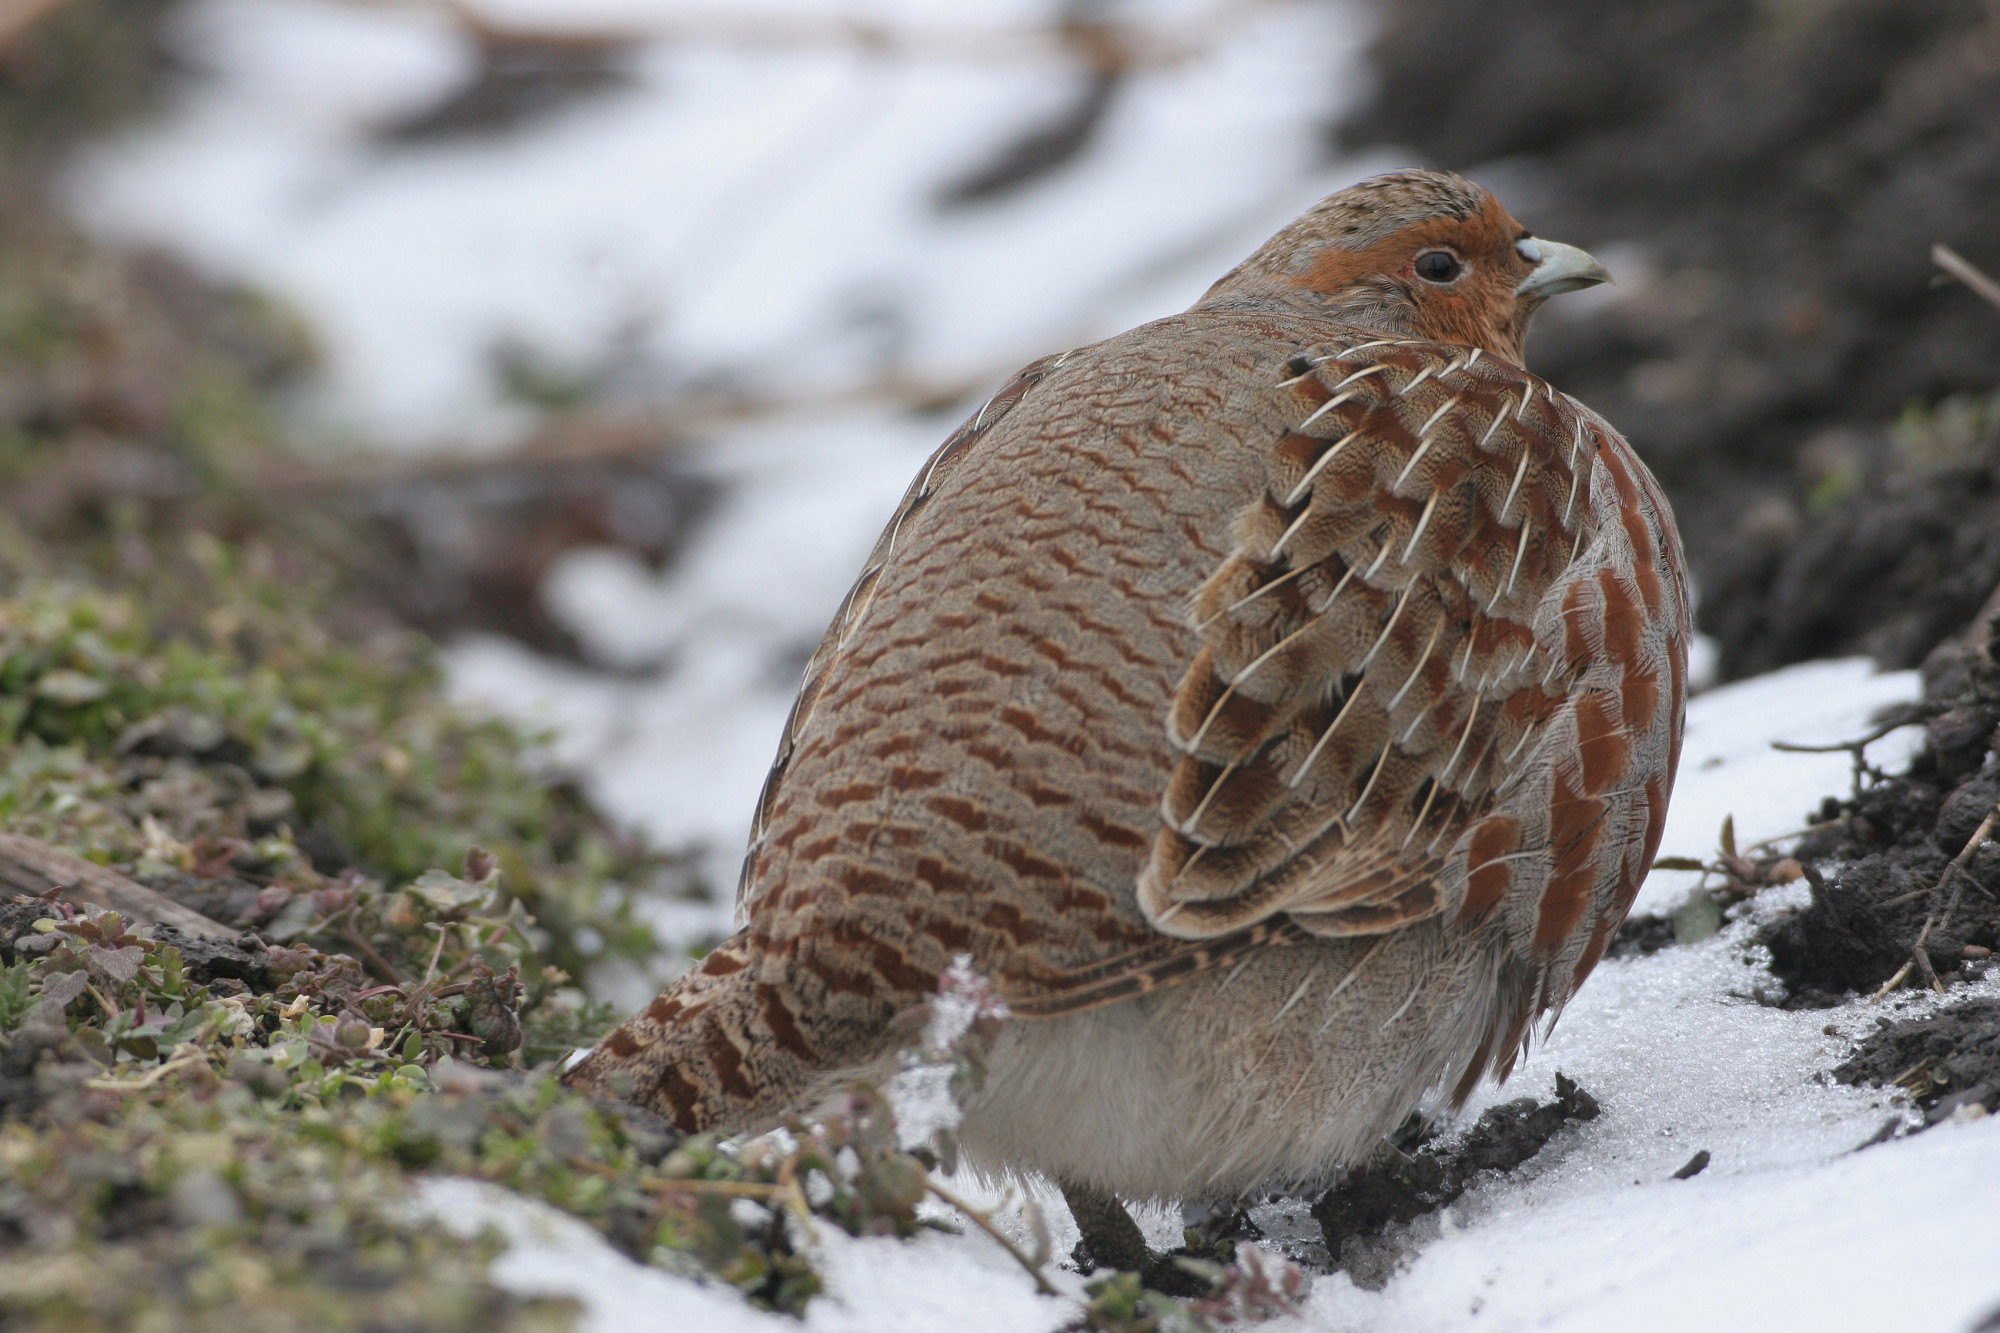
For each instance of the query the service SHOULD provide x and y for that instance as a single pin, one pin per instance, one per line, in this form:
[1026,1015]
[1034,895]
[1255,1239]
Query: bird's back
[979,766]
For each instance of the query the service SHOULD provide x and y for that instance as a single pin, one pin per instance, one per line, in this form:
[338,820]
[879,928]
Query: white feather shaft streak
[1458,752]
[1252,596]
[1318,466]
[1422,815]
[1417,535]
[1514,489]
[1360,374]
[1422,657]
[1324,408]
[1423,442]
[1312,755]
[1381,762]
[1194,742]
[1348,980]
[1520,549]
[1494,425]
[1404,1007]
[1362,347]
[1186,828]
[1388,628]
[1575,485]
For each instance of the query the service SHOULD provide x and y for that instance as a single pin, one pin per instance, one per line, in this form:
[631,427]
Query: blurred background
[595,339]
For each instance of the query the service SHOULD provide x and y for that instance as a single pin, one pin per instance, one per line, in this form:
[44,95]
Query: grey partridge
[1278,701]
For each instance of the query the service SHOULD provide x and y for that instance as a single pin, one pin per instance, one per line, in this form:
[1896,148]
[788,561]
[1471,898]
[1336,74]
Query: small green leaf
[1696,918]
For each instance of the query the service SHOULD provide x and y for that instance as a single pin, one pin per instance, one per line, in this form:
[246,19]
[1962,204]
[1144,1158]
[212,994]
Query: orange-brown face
[1458,277]
[1415,254]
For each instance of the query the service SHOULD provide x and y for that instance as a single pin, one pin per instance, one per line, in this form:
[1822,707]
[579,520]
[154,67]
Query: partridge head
[1278,702]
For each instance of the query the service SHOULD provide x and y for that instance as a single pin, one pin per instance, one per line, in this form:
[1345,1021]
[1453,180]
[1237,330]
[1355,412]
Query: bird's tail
[717,1050]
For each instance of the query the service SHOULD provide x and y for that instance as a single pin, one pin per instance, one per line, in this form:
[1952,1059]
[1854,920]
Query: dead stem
[1856,749]
[1933,918]
[377,964]
[985,1224]
[1952,262]
[179,1062]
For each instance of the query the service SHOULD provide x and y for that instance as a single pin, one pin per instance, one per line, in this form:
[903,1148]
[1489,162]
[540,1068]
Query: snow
[1728,768]
[762,215]
[755,215]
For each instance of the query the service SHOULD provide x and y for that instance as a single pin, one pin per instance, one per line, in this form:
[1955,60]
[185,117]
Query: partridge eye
[1438,266]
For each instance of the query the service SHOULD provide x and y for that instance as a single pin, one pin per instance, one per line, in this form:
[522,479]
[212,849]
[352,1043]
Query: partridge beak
[1559,268]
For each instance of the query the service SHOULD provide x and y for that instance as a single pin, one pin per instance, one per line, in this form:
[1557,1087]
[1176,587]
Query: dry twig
[33,867]
[1952,262]
[1933,919]
[1856,749]
[985,1224]
[1154,46]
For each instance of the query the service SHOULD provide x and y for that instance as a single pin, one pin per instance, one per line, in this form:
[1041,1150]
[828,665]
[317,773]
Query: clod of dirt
[210,961]
[18,916]
[1437,1172]
[1695,1166]
[1878,864]
[1947,1061]
[1640,936]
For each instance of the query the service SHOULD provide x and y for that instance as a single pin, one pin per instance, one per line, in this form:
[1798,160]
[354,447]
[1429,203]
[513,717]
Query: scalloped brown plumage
[1278,701]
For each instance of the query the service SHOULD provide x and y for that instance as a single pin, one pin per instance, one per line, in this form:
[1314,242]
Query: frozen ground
[743,207]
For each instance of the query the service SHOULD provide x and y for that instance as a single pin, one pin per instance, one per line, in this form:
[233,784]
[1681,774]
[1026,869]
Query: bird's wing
[855,606]
[1435,673]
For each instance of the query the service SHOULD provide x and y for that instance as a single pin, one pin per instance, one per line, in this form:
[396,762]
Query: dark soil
[1639,936]
[1767,182]
[1944,1062]
[1877,866]
[222,965]
[1441,1168]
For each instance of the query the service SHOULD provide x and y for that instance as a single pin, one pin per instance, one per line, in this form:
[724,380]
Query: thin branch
[110,1009]
[1875,733]
[1933,918]
[1952,262]
[985,1224]
[1856,750]
[376,962]
[1131,45]
[735,1189]
[187,1061]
